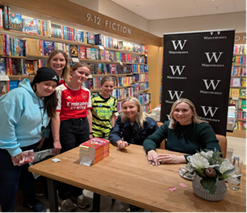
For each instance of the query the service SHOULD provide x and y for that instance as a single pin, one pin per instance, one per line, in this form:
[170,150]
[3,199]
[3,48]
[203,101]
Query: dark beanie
[45,74]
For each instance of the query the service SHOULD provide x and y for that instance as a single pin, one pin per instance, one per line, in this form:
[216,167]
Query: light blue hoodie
[21,118]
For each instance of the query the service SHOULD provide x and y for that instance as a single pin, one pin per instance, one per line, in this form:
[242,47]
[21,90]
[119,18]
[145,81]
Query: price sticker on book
[101,47]
[75,59]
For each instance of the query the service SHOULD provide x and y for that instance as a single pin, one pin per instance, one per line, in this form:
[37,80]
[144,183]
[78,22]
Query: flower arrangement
[211,167]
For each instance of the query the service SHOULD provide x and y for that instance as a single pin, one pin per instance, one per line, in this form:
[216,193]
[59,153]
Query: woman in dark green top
[185,132]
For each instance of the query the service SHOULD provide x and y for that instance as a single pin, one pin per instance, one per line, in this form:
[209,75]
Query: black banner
[197,66]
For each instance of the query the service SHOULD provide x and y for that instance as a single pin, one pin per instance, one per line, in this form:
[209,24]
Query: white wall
[115,11]
[222,21]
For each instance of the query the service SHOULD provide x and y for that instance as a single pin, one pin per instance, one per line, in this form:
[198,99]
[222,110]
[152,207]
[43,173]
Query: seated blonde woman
[185,133]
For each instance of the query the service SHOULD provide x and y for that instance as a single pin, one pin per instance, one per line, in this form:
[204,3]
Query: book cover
[120,45]
[29,66]
[236,82]
[80,36]
[74,51]
[13,84]
[107,55]
[48,47]
[93,54]
[30,26]
[98,39]
[15,21]
[242,93]
[115,43]
[243,104]
[5,16]
[235,93]
[243,82]
[90,38]
[88,53]
[2,66]
[111,56]
[82,52]
[3,87]
[1,18]
[89,83]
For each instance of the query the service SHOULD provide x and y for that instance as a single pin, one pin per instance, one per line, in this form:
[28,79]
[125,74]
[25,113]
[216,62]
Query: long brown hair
[66,69]
[195,119]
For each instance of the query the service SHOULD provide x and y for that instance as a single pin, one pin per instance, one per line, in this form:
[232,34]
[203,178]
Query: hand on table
[57,148]
[167,158]
[122,144]
[153,158]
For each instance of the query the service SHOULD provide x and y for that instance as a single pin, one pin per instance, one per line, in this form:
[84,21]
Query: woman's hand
[41,142]
[17,158]
[153,158]
[57,148]
[166,158]
[90,136]
[122,144]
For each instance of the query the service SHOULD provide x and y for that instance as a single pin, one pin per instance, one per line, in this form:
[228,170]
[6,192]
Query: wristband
[90,133]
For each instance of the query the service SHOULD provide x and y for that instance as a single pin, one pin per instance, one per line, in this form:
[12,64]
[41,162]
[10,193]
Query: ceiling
[165,9]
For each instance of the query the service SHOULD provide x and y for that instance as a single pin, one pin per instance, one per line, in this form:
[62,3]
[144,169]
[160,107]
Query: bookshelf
[237,95]
[34,52]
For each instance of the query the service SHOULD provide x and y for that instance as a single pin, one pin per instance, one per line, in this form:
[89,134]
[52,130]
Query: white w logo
[178,44]
[209,110]
[213,56]
[177,70]
[175,94]
[211,83]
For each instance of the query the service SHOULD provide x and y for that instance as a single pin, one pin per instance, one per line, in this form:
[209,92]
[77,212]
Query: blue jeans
[11,177]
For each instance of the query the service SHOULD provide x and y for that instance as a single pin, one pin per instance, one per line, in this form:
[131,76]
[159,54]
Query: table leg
[96,202]
[52,195]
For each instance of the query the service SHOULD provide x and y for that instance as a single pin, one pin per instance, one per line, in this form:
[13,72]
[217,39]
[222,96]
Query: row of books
[242,115]
[17,22]
[144,98]
[237,93]
[140,86]
[12,46]
[94,83]
[238,71]
[123,93]
[6,86]
[238,82]
[239,60]
[140,77]
[240,126]
[239,49]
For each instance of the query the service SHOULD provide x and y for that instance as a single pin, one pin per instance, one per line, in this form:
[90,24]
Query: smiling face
[45,88]
[80,75]
[183,114]
[57,63]
[130,110]
[107,88]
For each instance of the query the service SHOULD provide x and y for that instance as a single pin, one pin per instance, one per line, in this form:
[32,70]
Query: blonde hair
[107,78]
[140,116]
[65,73]
[195,119]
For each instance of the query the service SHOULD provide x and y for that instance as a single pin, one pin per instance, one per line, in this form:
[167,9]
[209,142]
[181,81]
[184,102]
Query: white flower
[198,162]
[225,166]
[208,154]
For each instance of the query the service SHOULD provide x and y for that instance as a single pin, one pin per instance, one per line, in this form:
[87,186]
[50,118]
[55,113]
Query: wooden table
[127,176]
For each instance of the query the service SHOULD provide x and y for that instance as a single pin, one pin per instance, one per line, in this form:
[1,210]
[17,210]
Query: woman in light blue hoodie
[24,112]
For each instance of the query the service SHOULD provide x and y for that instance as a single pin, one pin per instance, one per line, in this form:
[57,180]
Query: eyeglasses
[42,129]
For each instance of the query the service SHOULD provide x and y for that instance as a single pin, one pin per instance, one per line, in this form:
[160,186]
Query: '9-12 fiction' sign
[109,24]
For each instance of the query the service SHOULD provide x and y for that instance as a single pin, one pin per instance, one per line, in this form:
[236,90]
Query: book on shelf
[231,102]
[13,84]
[98,39]
[93,54]
[234,93]
[235,82]
[82,52]
[2,66]
[31,66]
[32,46]
[15,21]
[90,38]
[115,43]
[120,45]
[73,51]
[30,26]
[48,47]
[81,36]
[88,53]
[5,16]
[242,104]
[3,87]
[243,82]
[242,93]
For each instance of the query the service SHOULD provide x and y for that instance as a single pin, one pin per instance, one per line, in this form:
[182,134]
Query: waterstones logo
[217,36]
[176,69]
[178,44]
[213,57]
[213,84]
[209,110]
[174,93]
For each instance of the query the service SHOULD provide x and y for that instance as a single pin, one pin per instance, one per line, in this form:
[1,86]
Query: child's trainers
[67,205]
[36,207]
[81,201]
